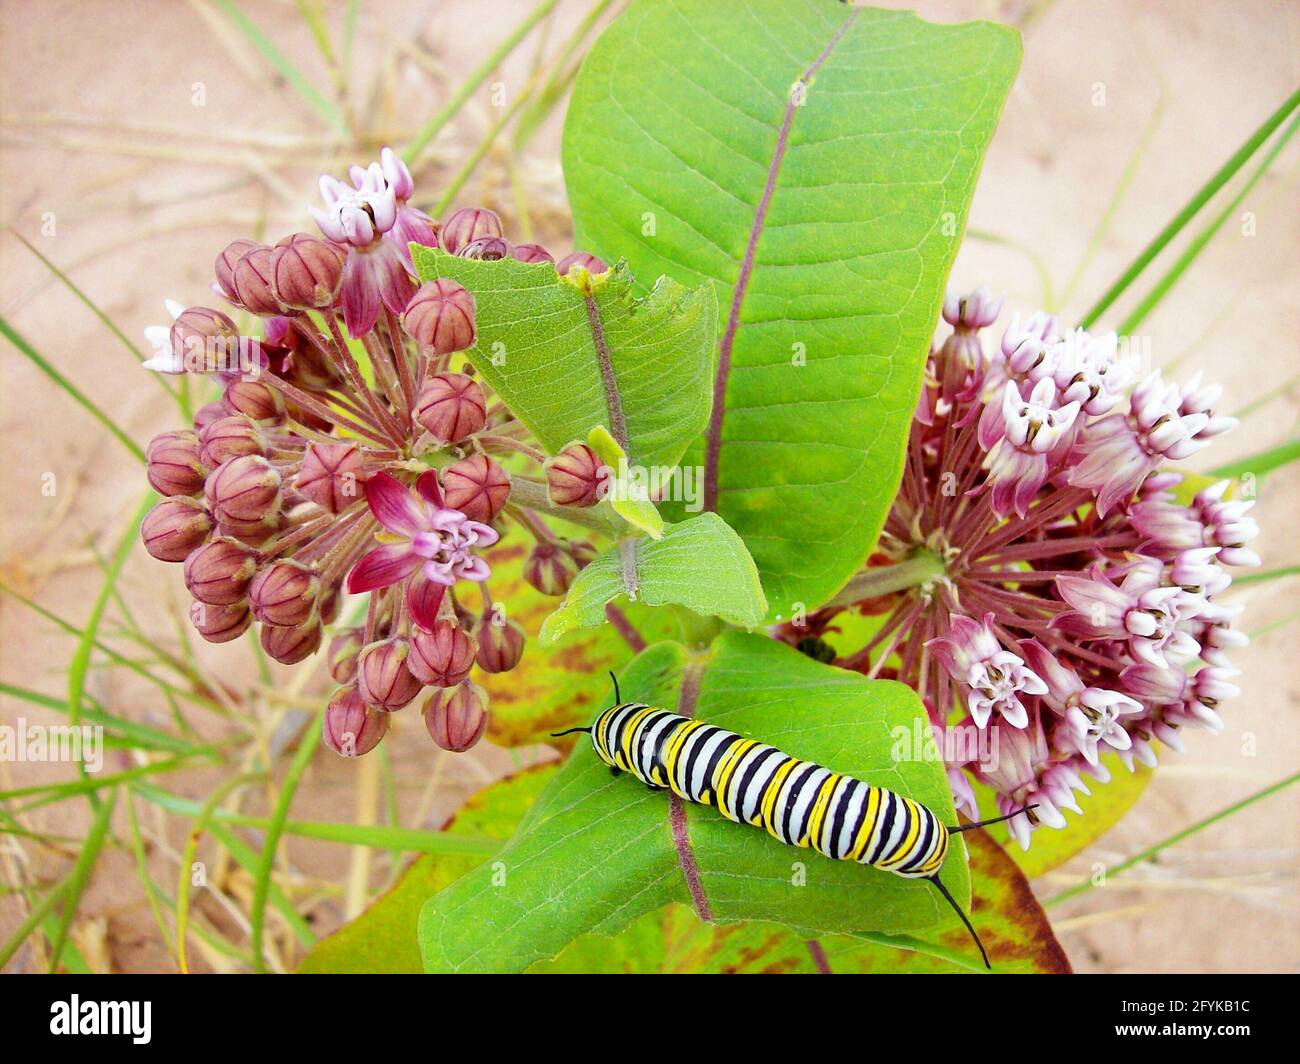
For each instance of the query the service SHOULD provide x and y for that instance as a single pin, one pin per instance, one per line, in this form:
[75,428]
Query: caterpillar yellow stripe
[798,802]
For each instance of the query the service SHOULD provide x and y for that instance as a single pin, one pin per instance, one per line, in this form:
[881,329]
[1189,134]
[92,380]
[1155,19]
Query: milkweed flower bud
[383,678]
[256,401]
[229,437]
[331,475]
[350,727]
[209,413]
[441,315]
[486,248]
[224,267]
[175,467]
[582,552]
[220,624]
[219,572]
[532,253]
[175,528]
[450,407]
[343,651]
[550,569]
[441,656]
[577,477]
[476,486]
[585,259]
[254,281]
[244,489]
[289,646]
[456,718]
[205,339]
[307,273]
[284,594]
[467,225]
[500,646]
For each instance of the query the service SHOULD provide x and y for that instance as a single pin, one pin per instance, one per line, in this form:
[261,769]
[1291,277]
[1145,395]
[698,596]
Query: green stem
[1220,178]
[1151,851]
[920,568]
[532,496]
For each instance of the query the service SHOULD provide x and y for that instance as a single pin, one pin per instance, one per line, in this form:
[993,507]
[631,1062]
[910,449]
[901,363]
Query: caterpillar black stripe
[799,802]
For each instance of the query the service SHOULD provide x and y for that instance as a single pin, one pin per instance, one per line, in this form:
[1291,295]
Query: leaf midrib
[713,445]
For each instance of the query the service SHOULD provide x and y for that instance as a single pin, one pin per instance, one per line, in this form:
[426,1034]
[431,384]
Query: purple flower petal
[382,567]
[423,599]
[394,506]
[360,294]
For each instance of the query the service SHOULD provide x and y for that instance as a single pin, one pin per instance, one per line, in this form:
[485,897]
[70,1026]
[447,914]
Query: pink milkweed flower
[1091,714]
[1024,773]
[360,215]
[1152,618]
[1226,524]
[426,542]
[962,354]
[1090,371]
[996,677]
[1029,434]
[1122,449]
[166,359]
[376,270]
[412,226]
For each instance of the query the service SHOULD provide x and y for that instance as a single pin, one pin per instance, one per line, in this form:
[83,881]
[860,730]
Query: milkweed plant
[748,446]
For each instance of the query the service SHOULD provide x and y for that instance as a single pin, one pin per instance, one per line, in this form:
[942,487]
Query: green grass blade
[1048,296]
[79,877]
[248,859]
[1263,576]
[152,893]
[185,871]
[1261,463]
[34,919]
[1203,196]
[140,736]
[59,792]
[41,363]
[563,73]
[1176,838]
[90,304]
[284,68]
[480,74]
[120,659]
[1107,219]
[307,746]
[80,663]
[380,836]
[1172,275]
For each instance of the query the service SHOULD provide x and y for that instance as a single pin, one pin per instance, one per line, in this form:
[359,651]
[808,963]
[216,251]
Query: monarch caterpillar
[799,802]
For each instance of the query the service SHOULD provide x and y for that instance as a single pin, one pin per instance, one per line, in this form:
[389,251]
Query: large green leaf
[813,162]
[382,939]
[596,851]
[565,360]
[700,564]
[554,687]
[1014,928]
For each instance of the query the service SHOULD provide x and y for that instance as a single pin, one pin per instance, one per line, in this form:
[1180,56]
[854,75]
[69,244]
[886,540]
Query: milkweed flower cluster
[352,452]
[1074,604]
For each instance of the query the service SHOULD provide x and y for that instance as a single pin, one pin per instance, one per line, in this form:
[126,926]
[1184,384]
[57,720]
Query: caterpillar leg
[964,918]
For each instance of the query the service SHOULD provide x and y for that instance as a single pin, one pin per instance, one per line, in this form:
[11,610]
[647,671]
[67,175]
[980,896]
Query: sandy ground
[115,171]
